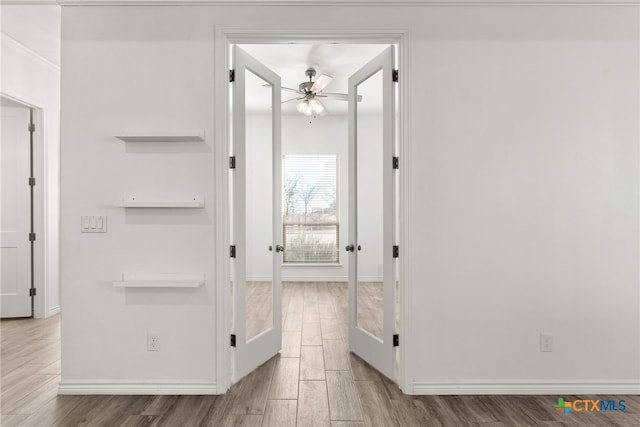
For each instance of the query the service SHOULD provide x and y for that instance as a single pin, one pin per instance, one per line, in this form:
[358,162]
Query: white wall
[524,192]
[32,79]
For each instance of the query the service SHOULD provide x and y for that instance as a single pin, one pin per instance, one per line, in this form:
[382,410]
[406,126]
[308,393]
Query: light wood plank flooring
[314,382]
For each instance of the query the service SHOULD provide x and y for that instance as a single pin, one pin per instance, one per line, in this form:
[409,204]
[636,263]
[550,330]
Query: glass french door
[372,213]
[256,214]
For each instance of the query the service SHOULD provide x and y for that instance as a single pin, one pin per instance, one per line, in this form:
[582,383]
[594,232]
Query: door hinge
[395,76]
[32,292]
[232,251]
[31,127]
[232,162]
[32,237]
[232,75]
[233,340]
[396,251]
[396,162]
[32,181]
[396,340]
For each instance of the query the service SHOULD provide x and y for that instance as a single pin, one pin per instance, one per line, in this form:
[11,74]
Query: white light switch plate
[93,224]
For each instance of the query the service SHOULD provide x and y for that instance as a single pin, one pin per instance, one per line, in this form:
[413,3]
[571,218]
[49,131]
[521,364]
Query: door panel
[259,206]
[370,206]
[256,214]
[15,214]
[371,213]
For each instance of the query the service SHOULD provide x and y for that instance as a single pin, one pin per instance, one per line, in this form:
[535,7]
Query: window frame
[335,223]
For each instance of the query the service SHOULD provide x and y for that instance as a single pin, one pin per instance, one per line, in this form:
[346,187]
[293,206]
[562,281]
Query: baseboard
[53,311]
[145,388]
[552,388]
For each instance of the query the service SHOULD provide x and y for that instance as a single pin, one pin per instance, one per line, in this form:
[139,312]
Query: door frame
[224,38]
[40,252]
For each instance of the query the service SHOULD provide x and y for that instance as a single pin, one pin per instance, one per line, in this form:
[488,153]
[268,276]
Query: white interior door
[15,214]
[256,213]
[371,213]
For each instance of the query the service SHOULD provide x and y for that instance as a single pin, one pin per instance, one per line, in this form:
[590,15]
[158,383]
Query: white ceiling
[34,26]
[290,61]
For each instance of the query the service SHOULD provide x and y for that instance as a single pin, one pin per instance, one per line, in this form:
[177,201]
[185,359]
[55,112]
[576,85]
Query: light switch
[93,224]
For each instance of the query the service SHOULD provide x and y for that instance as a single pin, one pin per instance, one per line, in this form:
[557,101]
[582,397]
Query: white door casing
[225,38]
[15,214]
[254,348]
[371,162]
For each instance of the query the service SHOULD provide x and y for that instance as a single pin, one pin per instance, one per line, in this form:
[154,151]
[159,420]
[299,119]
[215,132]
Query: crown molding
[332,3]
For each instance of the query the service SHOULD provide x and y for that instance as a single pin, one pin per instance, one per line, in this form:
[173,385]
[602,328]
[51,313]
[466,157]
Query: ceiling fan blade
[292,99]
[290,89]
[338,96]
[321,82]
[284,88]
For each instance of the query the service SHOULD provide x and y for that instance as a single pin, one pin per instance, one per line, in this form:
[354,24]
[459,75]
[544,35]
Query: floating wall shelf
[160,280]
[138,202]
[184,136]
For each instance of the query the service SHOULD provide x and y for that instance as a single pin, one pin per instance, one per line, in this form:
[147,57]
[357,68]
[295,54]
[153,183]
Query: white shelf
[160,280]
[138,202]
[184,136]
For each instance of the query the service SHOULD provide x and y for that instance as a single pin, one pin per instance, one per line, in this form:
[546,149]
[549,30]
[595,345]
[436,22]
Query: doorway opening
[314,223]
[17,225]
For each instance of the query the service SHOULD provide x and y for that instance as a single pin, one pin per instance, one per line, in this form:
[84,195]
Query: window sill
[308,265]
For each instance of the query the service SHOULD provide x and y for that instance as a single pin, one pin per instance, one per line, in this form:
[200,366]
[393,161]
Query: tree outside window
[310,223]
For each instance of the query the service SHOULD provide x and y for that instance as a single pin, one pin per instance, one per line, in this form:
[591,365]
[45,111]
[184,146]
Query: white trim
[133,387]
[525,387]
[222,220]
[405,242]
[53,311]
[224,36]
[335,3]
[30,52]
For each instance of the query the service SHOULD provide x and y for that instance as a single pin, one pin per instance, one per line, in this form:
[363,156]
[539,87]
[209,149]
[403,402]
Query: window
[310,223]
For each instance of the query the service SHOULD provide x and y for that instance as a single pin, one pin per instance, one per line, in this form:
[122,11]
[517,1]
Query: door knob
[279,248]
[349,248]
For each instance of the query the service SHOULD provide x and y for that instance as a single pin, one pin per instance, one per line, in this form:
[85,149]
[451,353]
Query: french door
[256,214]
[372,271]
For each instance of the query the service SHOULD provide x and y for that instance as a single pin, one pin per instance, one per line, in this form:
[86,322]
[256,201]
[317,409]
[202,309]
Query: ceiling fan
[310,91]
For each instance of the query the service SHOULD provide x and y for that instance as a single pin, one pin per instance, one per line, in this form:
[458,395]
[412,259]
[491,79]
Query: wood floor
[315,381]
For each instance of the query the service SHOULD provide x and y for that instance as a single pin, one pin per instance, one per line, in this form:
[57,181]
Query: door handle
[349,248]
[279,248]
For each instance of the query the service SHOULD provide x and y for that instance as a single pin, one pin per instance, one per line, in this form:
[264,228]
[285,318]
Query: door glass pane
[369,163]
[259,206]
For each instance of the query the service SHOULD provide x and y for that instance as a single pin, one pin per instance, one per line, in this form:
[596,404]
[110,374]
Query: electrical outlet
[546,342]
[153,341]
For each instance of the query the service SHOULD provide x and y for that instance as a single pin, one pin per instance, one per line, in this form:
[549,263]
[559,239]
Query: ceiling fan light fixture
[317,107]
[304,108]
[311,107]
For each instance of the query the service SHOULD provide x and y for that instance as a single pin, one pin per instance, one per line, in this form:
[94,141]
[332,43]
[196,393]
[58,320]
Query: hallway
[314,381]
